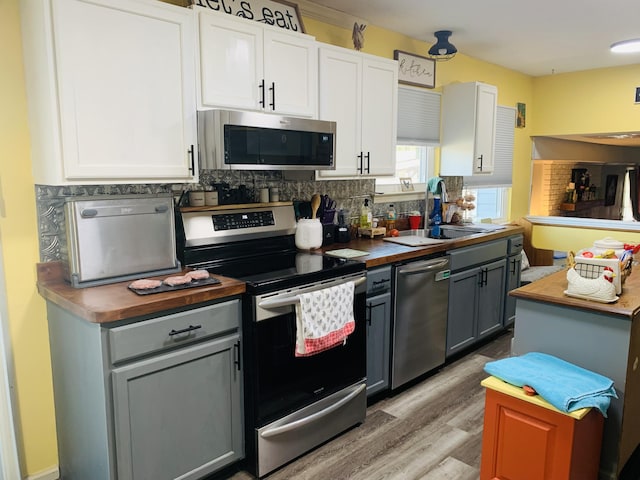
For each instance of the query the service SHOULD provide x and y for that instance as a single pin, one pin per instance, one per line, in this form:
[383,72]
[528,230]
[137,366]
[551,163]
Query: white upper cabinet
[111,90]
[360,93]
[249,66]
[468,129]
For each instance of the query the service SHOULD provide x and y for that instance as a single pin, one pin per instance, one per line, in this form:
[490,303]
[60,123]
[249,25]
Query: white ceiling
[538,37]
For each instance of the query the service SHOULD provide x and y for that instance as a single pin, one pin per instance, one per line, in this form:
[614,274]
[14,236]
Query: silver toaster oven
[119,238]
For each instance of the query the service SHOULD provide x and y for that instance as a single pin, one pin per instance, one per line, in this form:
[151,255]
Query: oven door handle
[293,299]
[272,432]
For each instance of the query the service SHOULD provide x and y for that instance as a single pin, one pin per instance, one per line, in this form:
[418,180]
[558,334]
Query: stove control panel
[241,220]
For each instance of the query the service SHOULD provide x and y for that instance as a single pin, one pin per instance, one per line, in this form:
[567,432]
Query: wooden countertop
[108,303]
[113,302]
[382,253]
[551,289]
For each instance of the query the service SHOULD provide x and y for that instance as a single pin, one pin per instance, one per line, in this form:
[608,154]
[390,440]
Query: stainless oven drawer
[295,434]
[173,330]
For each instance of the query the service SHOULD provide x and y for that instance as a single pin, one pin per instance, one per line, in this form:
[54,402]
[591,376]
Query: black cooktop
[283,270]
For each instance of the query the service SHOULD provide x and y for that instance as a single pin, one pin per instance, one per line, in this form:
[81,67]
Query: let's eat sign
[281,14]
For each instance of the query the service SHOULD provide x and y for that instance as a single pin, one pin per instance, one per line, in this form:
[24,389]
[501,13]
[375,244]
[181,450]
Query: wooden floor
[430,431]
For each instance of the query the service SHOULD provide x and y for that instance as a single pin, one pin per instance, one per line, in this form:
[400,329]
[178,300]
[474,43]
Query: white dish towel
[324,319]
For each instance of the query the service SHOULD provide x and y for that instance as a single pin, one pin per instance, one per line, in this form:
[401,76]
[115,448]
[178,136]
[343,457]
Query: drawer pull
[190,328]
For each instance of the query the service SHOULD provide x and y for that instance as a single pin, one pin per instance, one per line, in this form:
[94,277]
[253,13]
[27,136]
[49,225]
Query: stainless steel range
[292,403]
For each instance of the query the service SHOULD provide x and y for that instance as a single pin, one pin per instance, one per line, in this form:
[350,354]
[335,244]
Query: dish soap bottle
[365,215]
[391,218]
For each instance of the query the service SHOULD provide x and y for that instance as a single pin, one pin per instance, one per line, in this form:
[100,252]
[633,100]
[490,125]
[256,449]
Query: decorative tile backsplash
[296,186]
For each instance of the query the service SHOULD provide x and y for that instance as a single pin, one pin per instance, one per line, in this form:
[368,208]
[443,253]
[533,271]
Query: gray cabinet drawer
[516,244]
[475,255]
[173,330]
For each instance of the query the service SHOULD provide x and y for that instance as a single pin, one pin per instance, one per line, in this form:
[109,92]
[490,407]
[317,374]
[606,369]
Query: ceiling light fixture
[626,46]
[442,49]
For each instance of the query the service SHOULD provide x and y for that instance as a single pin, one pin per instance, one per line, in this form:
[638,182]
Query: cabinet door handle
[368,163]
[190,328]
[370,308]
[192,168]
[485,274]
[480,158]
[361,167]
[273,95]
[236,355]
[261,87]
[514,263]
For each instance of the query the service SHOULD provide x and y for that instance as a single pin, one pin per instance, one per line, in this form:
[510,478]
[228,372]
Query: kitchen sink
[422,236]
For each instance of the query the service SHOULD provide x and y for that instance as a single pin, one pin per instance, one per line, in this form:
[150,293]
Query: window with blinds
[418,116]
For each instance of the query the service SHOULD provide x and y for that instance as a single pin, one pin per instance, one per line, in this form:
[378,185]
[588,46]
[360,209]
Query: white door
[126,86]
[291,73]
[231,62]
[341,102]
[379,116]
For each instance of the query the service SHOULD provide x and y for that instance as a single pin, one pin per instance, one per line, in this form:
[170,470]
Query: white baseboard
[49,474]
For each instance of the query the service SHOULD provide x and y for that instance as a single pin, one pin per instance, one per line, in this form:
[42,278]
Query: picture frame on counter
[406,185]
[281,13]
[415,69]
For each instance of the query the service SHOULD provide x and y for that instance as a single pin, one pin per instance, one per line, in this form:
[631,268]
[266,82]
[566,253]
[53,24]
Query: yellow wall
[593,101]
[18,228]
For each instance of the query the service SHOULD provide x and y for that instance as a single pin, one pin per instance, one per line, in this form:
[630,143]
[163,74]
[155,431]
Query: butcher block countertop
[382,253]
[551,289]
[113,302]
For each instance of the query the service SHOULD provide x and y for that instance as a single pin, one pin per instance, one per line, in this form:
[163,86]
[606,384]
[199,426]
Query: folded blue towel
[564,385]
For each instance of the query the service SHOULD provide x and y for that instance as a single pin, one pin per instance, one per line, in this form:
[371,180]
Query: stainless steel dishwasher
[421,293]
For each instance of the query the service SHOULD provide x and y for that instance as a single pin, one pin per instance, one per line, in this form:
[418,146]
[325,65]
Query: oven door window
[286,382]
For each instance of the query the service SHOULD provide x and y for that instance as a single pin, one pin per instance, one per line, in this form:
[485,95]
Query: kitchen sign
[415,70]
[279,13]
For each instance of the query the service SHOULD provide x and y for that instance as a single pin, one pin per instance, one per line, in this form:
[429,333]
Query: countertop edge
[114,302]
[550,289]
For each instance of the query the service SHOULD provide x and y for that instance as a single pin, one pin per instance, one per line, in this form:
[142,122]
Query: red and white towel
[324,319]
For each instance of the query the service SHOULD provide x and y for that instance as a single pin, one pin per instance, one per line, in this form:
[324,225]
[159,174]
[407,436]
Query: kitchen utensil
[315,204]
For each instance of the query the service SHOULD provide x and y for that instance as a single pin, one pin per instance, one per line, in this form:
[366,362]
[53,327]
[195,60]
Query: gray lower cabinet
[161,396]
[476,294]
[378,329]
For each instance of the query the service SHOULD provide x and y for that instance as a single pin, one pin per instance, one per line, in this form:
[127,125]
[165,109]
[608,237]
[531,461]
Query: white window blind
[418,116]
[503,156]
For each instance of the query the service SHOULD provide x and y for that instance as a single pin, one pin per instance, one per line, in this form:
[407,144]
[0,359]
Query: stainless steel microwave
[230,139]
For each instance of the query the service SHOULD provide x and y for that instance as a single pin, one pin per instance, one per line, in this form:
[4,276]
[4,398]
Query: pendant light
[442,49]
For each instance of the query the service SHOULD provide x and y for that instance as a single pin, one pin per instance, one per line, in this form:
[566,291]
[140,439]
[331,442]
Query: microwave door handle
[289,300]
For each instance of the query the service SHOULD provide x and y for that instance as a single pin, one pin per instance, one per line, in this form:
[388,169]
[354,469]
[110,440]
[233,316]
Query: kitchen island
[601,337]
